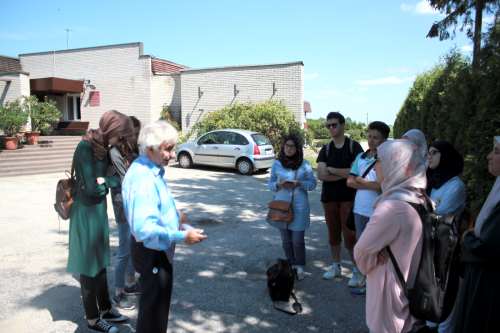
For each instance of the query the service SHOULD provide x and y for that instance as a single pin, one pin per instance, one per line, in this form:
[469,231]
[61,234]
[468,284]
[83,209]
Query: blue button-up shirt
[150,207]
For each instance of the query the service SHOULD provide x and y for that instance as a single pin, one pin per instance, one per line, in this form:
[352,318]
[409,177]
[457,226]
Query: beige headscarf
[490,203]
[111,124]
[403,172]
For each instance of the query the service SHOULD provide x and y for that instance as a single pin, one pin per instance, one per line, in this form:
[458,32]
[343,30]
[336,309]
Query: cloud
[311,76]
[467,48]
[324,93]
[406,7]
[421,8]
[383,81]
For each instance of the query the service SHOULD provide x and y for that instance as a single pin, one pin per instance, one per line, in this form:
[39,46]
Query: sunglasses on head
[332,125]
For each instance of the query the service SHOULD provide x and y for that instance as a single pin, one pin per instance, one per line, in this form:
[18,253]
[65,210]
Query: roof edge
[111,46]
[11,73]
[242,66]
[4,56]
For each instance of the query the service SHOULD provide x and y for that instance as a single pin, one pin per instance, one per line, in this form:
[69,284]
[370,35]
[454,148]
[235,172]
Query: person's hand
[288,184]
[100,180]
[382,257]
[194,236]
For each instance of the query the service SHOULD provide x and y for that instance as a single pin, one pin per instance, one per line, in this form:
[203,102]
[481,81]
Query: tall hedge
[450,103]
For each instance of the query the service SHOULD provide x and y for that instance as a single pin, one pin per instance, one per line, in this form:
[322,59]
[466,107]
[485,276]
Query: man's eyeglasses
[332,125]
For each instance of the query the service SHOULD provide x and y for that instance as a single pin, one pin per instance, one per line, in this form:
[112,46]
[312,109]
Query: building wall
[18,86]
[255,84]
[165,90]
[119,72]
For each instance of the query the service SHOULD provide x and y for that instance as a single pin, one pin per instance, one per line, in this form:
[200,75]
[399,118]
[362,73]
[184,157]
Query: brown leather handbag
[280,211]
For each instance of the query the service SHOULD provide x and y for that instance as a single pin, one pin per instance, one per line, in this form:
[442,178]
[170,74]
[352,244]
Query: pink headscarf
[403,172]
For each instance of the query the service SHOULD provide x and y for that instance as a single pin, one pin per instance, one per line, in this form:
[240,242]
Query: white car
[246,151]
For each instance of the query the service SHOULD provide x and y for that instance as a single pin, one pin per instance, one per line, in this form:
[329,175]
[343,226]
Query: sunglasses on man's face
[332,125]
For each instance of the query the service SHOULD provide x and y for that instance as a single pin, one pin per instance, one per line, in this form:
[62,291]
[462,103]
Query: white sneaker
[357,280]
[333,271]
[300,273]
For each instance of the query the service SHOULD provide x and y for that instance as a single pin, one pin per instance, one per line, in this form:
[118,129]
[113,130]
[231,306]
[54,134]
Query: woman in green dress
[89,230]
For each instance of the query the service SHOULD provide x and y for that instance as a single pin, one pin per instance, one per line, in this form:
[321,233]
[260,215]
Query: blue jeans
[360,221]
[294,246]
[123,260]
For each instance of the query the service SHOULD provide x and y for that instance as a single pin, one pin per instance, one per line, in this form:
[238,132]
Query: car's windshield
[260,139]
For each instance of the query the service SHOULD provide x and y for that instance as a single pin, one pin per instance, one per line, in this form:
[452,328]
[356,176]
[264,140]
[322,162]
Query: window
[210,139]
[260,139]
[73,107]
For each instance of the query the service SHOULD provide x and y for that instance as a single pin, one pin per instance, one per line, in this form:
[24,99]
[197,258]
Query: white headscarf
[491,201]
[417,137]
[403,172]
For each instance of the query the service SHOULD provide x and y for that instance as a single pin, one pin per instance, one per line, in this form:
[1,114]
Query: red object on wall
[94,98]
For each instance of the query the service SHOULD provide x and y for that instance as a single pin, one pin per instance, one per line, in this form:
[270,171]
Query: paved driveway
[220,284]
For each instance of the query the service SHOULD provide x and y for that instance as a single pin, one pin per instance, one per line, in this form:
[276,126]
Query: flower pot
[10,142]
[32,138]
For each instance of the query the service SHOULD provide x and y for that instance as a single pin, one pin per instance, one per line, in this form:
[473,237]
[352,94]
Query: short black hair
[336,115]
[381,127]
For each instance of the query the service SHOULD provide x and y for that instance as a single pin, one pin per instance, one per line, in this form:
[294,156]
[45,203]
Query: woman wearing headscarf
[394,223]
[479,297]
[446,189]
[121,155]
[89,231]
[417,137]
[291,177]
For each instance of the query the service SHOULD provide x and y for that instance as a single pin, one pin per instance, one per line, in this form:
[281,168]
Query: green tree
[462,9]
[270,118]
[318,128]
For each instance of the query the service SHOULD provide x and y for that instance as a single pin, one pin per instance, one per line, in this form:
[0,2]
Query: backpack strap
[297,307]
[398,271]
[368,169]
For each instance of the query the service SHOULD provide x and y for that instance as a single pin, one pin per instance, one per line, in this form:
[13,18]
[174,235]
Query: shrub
[12,117]
[270,118]
[43,115]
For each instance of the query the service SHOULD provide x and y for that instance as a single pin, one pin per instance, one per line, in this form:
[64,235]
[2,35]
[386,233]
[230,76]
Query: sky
[360,57]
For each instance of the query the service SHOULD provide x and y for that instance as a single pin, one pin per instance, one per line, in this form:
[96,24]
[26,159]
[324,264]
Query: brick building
[86,82]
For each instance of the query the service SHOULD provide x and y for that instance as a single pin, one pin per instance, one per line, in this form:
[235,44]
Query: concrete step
[49,167]
[26,163]
[33,172]
[38,154]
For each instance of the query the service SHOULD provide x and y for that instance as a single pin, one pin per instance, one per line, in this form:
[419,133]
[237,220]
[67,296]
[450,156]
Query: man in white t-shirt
[364,179]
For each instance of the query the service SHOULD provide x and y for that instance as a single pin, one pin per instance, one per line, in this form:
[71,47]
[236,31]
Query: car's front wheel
[185,160]
[244,166]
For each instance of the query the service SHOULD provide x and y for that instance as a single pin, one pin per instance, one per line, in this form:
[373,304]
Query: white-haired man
[155,224]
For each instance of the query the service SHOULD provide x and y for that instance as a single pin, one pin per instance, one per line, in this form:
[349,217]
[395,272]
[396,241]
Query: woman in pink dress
[394,223]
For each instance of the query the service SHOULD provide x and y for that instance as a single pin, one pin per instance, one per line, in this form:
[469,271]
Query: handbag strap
[297,307]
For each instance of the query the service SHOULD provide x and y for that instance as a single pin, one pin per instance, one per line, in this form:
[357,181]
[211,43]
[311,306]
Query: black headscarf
[292,162]
[451,164]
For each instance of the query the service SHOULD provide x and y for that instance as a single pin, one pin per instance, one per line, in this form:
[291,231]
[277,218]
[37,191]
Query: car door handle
[216,147]
[237,148]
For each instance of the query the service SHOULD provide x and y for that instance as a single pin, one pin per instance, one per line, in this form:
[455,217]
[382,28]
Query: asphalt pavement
[219,284]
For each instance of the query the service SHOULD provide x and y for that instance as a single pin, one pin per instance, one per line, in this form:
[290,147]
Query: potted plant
[12,118]
[43,116]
